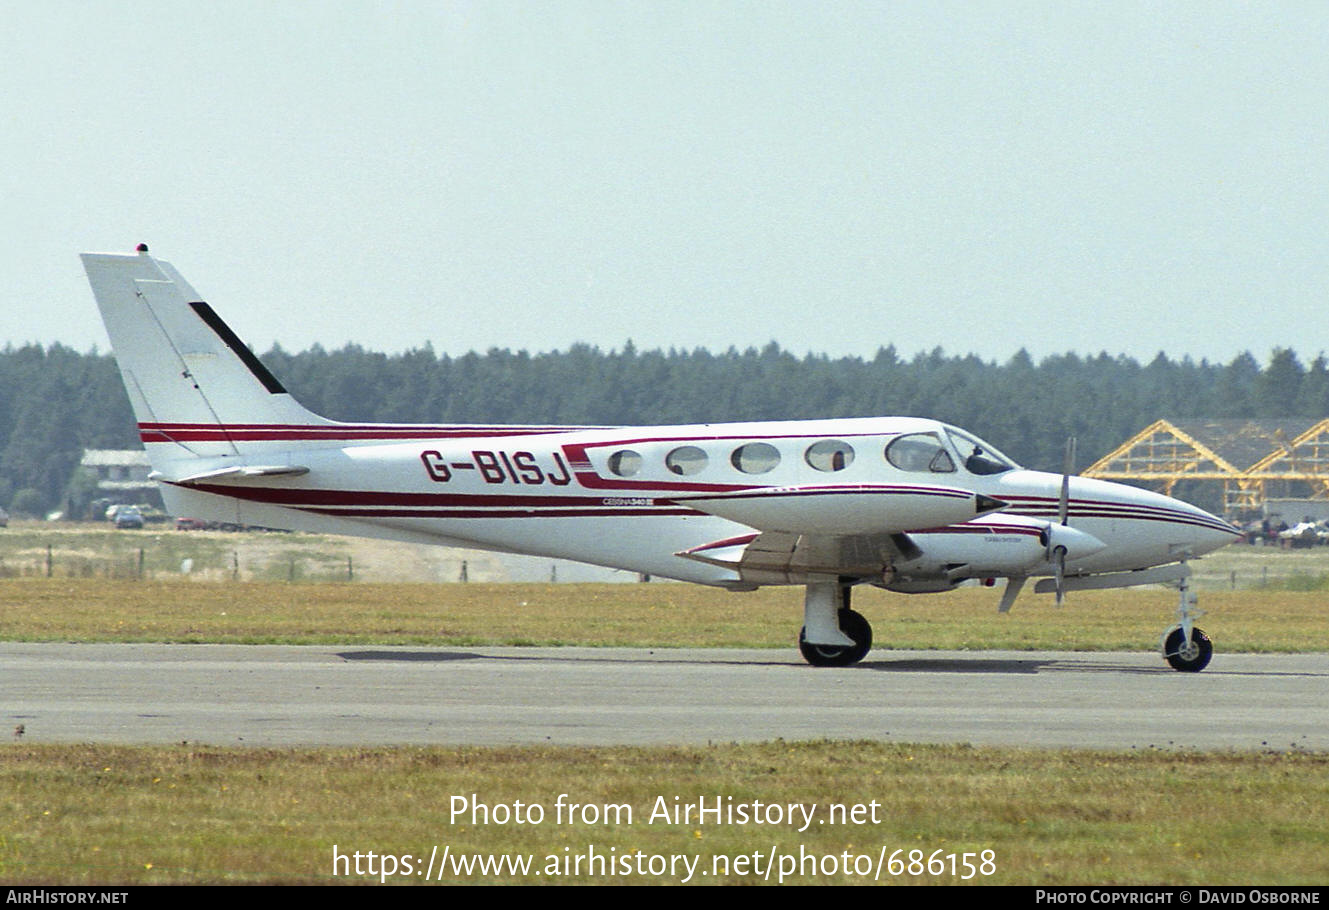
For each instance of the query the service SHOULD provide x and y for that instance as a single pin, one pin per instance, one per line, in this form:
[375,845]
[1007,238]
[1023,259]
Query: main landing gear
[833,635]
[1185,646]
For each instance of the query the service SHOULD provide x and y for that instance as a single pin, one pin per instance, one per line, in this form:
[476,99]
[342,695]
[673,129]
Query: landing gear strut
[833,635]
[1185,646]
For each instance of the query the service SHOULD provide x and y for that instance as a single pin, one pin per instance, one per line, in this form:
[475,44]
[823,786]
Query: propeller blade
[1057,554]
[1064,503]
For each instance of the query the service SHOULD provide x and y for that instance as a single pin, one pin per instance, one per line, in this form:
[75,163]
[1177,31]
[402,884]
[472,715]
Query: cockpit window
[920,452]
[979,457]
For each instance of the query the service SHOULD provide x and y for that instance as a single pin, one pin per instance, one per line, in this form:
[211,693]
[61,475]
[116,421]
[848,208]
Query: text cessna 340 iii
[907,504]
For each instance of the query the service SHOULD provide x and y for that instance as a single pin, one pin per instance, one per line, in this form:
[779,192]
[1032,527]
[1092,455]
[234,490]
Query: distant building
[121,475]
[1256,467]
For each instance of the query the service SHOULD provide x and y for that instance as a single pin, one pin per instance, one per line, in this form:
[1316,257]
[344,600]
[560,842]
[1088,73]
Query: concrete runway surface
[246,695]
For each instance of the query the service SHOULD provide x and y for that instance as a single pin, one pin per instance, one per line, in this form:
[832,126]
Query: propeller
[1063,504]
[1056,552]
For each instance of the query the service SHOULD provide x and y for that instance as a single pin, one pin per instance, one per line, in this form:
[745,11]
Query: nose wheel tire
[1188,656]
[852,624]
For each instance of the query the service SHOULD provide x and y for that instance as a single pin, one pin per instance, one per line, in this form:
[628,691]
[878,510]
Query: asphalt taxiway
[258,695]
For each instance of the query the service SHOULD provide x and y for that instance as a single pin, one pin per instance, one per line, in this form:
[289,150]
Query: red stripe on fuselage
[286,496]
[275,432]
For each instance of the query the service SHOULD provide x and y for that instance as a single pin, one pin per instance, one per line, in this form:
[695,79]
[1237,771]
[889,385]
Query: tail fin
[194,386]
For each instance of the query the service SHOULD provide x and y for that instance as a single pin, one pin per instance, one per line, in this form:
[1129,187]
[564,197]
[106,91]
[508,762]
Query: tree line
[57,402]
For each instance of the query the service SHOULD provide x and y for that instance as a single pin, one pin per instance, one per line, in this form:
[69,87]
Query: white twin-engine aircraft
[907,504]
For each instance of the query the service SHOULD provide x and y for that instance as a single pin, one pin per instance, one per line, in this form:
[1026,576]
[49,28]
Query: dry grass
[95,550]
[94,814]
[651,615]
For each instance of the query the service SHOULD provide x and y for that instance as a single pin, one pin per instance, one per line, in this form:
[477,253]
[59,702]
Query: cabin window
[755,458]
[830,455]
[920,453]
[624,463]
[686,460]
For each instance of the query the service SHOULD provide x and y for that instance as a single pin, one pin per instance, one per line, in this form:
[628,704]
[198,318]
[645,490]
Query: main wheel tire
[1192,659]
[852,624]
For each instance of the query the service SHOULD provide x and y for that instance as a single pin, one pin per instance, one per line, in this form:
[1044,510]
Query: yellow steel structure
[1253,459]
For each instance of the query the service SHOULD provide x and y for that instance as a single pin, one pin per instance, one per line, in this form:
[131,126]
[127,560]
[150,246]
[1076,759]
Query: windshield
[977,456]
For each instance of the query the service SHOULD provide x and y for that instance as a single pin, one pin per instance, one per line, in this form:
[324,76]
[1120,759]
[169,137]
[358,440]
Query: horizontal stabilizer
[240,474]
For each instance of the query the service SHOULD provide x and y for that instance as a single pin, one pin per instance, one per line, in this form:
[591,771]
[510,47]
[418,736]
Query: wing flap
[778,557]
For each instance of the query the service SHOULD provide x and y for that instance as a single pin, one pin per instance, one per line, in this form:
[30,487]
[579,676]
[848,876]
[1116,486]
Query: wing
[859,531]
[840,510]
[920,560]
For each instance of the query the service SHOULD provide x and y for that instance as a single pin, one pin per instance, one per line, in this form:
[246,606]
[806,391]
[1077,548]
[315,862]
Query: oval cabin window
[830,455]
[755,458]
[686,460]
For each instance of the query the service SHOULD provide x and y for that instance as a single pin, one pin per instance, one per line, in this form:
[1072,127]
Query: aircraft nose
[1207,532]
[1149,520]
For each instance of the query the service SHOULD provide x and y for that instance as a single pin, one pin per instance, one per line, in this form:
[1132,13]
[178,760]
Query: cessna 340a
[907,504]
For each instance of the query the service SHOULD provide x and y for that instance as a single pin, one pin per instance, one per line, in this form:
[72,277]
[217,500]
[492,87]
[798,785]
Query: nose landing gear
[1185,647]
[1188,656]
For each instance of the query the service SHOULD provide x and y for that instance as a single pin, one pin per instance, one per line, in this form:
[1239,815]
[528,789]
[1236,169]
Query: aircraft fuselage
[634,498]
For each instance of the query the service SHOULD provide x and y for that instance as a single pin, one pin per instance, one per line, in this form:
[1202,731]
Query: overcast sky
[979,176]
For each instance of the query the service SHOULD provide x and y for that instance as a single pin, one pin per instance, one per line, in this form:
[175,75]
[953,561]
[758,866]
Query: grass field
[643,615]
[157,815]
[106,814]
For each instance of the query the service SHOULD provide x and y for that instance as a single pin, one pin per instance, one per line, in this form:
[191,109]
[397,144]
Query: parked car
[128,517]
[1304,534]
